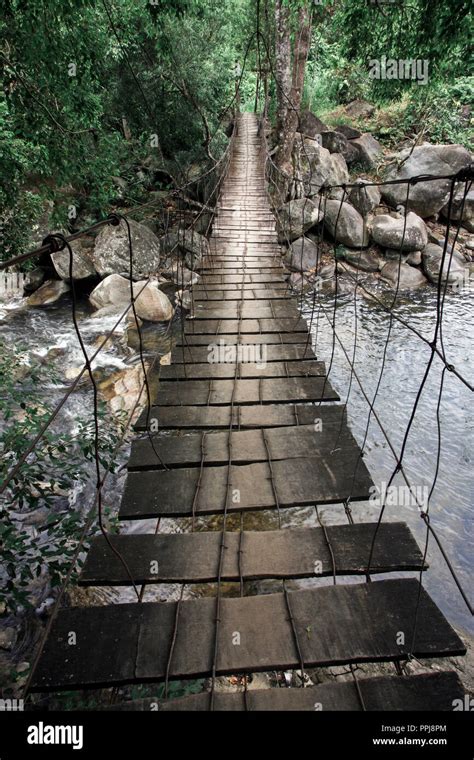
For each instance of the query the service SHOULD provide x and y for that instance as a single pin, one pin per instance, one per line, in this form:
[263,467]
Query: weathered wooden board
[278,306]
[252,555]
[235,287]
[201,295]
[247,446]
[296,482]
[428,692]
[243,417]
[227,262]
[246,310]
[263,391]
[247,370]
[236,270]
[188,354]
[255,339]
[131,643]
[242,277]
[244,326]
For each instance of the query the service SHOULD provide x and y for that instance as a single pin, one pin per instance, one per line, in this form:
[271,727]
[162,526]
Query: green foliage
[44,483]
[72,69]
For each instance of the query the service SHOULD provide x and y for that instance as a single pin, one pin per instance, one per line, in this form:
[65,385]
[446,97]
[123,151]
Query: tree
[301,45]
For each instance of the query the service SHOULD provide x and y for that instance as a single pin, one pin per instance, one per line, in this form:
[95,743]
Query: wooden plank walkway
[254,427]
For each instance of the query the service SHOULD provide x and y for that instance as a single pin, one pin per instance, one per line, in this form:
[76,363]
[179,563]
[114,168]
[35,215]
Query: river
[406,359]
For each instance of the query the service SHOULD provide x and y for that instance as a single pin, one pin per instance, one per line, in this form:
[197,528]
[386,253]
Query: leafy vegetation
[44,486]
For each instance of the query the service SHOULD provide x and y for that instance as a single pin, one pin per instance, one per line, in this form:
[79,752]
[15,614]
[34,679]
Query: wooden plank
[243,417]
[263,391]
[130,643]
[235,287]
[247,311]
[243,277]
[254,555]
[307,481]
[427,692]
[256,339]
[201,295]
[189,355]
[244,326]
[207,371]
[211,449]
[286,306]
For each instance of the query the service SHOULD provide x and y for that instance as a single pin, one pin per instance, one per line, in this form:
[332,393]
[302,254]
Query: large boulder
[451,272]
[368,261]
[462,214]
[302,255]
[363,198]
[316,167]
[82,264]
[151,304]
[350,132]
[425,198]
[339,173]
[296,217]
[345,224]
[114,290]
[49,293]
[333,141]
[401,276]
[369,150]
[402,234]
[310,125]
[111,254]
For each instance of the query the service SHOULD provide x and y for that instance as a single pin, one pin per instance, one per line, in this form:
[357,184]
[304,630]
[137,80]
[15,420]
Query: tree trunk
[300,57]
[283,64]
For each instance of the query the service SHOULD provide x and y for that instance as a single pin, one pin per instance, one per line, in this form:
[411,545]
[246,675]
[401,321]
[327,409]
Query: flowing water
[363,325]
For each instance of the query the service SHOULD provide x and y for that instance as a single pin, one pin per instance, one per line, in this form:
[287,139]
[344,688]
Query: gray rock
[299,282]
[151,304]
[334,142]
[114,290]
[359,108]
[82,264]
[368,261]
[33,280]
[339,173]
[369,150]
[296,217]
[350,132]
[111,252]
[310,125]
[302,255]
[414,259]
[458,211]
[403,234]
[425,198]
[452,272]
[394,255]
[316,167]
[364,199]
[345,224]
[433,249]
[49,293]
[402,276]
